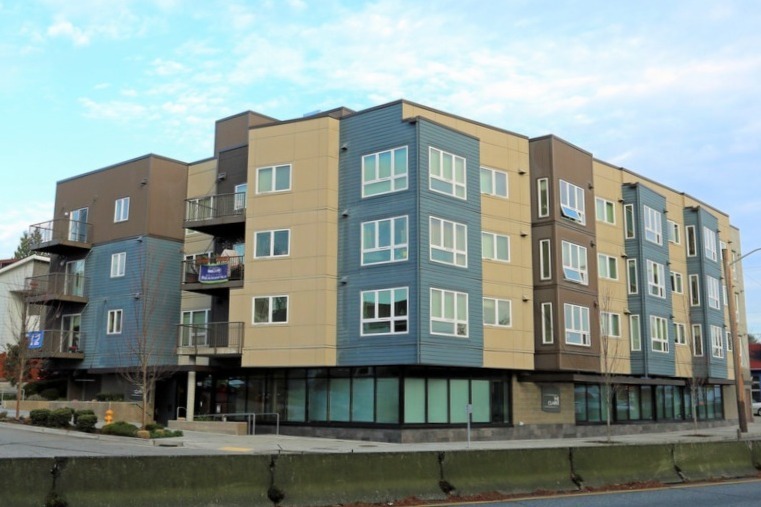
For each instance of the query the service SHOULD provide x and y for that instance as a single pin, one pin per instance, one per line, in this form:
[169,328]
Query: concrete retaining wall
[123,410]
[328,479]
[223,427]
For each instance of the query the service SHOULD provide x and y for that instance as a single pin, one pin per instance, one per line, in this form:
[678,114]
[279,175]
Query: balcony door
[194,329]
[70,325]
[78,225]
[240,196]
[75,278]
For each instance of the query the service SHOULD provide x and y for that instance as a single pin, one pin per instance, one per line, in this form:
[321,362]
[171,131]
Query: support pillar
[190,403]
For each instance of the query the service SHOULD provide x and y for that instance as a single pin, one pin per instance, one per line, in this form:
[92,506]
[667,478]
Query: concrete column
[190,403]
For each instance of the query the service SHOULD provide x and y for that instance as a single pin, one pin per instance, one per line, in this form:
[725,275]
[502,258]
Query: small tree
[609,358]
[24,248]
[17,359]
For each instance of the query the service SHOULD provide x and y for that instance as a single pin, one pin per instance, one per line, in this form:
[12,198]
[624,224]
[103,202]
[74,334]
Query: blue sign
[213,273]
[34,338]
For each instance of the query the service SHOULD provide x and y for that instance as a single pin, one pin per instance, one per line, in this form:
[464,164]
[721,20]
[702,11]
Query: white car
[757,408]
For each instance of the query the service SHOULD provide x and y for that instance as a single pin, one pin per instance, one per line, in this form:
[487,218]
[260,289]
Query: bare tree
[610,341]
[18,358]
[698,366]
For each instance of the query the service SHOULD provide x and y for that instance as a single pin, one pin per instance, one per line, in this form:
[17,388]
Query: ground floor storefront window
[647,403]
[361,395]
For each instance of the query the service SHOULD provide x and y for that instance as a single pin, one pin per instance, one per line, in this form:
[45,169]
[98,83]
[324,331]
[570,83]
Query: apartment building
[398,271]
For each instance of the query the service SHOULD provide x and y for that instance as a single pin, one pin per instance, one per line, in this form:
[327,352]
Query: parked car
[757,408]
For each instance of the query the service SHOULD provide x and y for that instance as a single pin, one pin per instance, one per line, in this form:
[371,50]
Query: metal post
[739,382]
[468,412]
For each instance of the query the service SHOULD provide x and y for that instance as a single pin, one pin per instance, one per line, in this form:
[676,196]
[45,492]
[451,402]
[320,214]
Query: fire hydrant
[109,416]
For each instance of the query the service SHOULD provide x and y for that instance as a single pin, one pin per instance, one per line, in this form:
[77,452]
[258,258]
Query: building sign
[213,273]
[34,339]
[550,399]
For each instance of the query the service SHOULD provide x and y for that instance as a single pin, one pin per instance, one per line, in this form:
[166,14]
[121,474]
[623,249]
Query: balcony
[55,288]
[61,236]
[210,339]
[221,215]
[56,344]
[212,275]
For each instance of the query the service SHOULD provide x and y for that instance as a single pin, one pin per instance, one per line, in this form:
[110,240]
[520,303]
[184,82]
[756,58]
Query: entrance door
[78,225]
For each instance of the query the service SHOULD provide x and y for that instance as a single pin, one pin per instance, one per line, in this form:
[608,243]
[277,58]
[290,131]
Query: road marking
[235,449]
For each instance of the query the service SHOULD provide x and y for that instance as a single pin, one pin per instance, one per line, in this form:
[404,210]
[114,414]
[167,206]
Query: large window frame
[575,266]
[385,240]
[497,312]
[269,244]
[384,172]
[610,324]
[545,259]
[121,209]
[709,244]
[630,228]
[447,173]
[271,179]
[659,334]
[448,242]
[691,239]
[605,211]
[717,342]
[713,294]
[607,266]
[656,279]
[653,225]
[494,183]
[674,232]
[118,264]
[572,204]
[115,321]
[449,313]
[543,197]
[694,290]
[548,332]
[384,311]
[269,310]
[635,333]
[577,325]
[495,247]
[680,334]
[697,340]
[677,282]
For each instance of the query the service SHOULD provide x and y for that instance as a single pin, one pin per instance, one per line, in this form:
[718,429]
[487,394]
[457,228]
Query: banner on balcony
[213,273]
[34,339]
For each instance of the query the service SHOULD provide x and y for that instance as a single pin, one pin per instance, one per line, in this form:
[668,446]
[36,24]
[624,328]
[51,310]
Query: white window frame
[697,340]
[630,224]
[577,323]
[604,263]
[459,323]
[275,170]
[729,340]
[118,264]
[115,321]
[632,276]
[694,290]
[675,232]
[201,337]
[572,202]
[717,342]
[397,252]
[545,259]
[397,181]
[680,334]
[635,332]
[239,198]
[459,232]
[499,304]
[712,292]
[543,197]
[575,266]
[659,334]
[653,225]
[610,324]
[271,254]
[493,255]
[494,175]
[392,319]
[121,209]
[656,279]
[709,243]
[677,282]
[270,310]
[438,178]
[548,334]
[604,208]
[691,240]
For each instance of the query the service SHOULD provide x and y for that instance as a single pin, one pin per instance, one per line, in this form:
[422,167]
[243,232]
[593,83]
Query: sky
[668,89]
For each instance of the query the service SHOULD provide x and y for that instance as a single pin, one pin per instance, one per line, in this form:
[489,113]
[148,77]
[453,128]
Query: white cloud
[16,221]
[64,28]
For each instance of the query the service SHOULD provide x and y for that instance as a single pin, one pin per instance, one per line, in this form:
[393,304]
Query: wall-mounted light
[344,280]
[345,147]
[521,171]
[221,176]
[524,234]
[525,299]
[345,213]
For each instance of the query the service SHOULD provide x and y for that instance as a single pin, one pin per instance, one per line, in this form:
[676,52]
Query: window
[605,211]
[273,179]
[680,336]
[449,242]
[709,240]
[194,332]
[717,342]
[495,247]
[631,269]
[447,173]
[497,312]
[653,226]
[712,287]
[697,340]
[677,283]
[384,241]
[629,227]
[118,263]
[384,172]
[729,341]
[574,262]
[610,324]
[384,311]
[572,202]
[121,210]
[77,226]
[272,243]
[656,280]
[543,197]
[659,336]
[675,236]
[449,313]
[239,199]
[577,325]
[545,260]
[607,267]
[548,335]
[635,332]
[271,310]
[694,290]
[692,243]
[114,325]
[493,182]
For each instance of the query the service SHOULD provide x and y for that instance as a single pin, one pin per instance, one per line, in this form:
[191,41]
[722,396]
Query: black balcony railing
[55,343]
[213,270]
[211,338]
[210,207]
[56,287]
[60,232]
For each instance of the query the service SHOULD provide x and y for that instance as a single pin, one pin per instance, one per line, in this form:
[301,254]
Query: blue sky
[669,89]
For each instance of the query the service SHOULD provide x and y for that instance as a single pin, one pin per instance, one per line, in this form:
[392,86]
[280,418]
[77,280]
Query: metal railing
[56,343]
[209,207]
[55,284]
[213,269]
[59,230]
[211,335]
[249,417]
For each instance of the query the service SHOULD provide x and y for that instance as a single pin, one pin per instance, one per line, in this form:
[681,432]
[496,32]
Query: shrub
[35,397]
[120,428]
[153,426]
[109,397]
[79,413]
[60,418]
[40,416]
[50,394]
[3,415]
[86,422]
[165,433]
